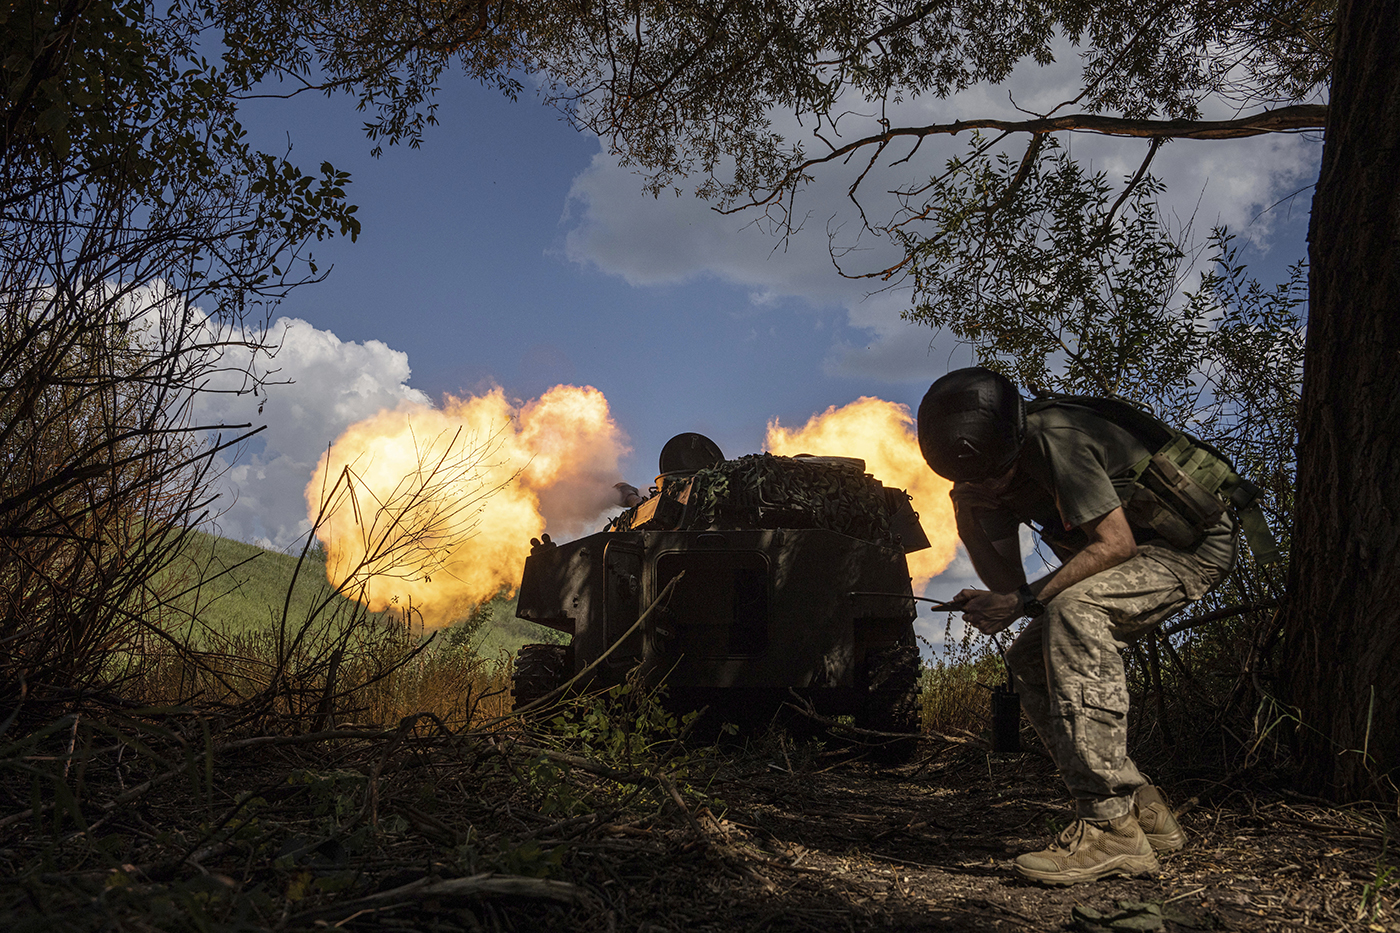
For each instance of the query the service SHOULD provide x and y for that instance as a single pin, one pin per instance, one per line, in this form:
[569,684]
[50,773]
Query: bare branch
[1280,120]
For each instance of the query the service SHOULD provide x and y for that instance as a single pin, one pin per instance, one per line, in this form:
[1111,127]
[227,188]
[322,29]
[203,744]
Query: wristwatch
[1031,607]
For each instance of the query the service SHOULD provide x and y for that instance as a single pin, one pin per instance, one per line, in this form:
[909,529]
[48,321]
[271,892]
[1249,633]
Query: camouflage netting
[768,491]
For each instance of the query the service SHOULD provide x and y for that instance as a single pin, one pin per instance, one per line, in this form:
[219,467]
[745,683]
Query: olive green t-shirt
[1075,466]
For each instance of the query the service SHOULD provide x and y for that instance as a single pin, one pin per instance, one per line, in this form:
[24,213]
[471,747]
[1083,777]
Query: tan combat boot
[1089,850]
[1155,817]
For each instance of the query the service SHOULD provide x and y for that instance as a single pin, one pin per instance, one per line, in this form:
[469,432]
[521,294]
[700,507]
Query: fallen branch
[585,764]
[806,709]
[486,884]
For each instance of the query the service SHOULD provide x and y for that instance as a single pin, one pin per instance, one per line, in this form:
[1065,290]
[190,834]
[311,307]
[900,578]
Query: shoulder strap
[1201,460]
[1130,416]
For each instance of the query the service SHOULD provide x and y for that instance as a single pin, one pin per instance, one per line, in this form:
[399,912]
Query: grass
[331,663]
[955,693]
[246,588]
[956,685]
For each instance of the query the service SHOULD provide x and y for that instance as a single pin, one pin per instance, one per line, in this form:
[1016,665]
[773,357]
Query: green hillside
[502,633]
[245,588]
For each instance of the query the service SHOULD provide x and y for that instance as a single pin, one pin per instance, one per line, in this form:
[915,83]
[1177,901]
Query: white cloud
[666,240]
[328,385]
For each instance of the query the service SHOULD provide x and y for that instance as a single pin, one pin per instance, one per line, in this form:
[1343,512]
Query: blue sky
[462,264]
[509,251]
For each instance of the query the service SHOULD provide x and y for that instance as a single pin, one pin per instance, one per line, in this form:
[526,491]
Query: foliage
[628,726]
[706,92]
[131,199]
[698,89]
[391,54]
[1062,287]
[1069,289]
[955,687]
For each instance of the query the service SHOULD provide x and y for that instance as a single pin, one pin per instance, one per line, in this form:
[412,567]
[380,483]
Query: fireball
[883,435]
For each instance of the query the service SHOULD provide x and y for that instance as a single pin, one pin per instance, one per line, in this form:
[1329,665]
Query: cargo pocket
[1101,728]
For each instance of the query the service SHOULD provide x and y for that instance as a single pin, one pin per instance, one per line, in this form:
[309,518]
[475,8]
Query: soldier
[1068,469]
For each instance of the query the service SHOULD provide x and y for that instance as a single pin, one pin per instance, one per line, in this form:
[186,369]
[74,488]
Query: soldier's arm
[1111,543]
[997,562]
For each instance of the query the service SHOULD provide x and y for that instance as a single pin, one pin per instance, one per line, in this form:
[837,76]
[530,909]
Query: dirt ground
[929,847]
[448,835]
[822,843]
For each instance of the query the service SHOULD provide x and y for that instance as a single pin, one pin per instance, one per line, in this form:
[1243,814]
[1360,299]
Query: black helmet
[971,425]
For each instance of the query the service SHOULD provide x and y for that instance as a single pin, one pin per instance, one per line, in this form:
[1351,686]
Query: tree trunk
[1341,661]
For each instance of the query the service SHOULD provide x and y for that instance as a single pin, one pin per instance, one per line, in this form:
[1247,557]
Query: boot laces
[1071,836]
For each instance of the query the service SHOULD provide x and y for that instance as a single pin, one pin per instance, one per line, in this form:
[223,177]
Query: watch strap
[1031,606]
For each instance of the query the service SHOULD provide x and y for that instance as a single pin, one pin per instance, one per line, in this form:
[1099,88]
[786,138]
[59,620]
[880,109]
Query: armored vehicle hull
[757,613]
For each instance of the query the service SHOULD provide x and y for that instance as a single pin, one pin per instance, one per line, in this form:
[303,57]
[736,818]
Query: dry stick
[72,743]
[1217,615]
[670,787]
[585,764]
[559,691]
[1228,781]
[406,726]
[427,824]
[309,738]
[486,884]
[721,849]
[806,709]
[667,785]
[563,825]
[327,705]
[1154,663]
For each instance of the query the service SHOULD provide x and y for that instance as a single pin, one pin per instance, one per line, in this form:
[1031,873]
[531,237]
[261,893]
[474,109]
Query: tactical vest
[1182,488]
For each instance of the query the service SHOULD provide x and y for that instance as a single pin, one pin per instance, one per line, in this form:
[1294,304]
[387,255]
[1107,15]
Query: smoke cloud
[434,507]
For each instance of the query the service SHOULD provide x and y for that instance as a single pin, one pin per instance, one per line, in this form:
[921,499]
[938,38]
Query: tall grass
[955,687]
[350,665]
[362,672]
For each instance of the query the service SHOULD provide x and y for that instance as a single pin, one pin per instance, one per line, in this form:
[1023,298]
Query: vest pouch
[1145,510]
[1177,491]
[1181,491]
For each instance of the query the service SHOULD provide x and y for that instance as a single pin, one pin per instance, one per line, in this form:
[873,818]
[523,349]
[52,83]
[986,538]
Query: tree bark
[1341,661]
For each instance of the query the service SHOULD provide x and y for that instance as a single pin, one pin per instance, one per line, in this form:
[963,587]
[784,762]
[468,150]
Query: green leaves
[1052,278]
[116,100]
[1064,283]
[1128,917]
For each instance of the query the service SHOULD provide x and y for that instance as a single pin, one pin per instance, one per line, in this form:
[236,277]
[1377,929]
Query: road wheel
[891,700]
[539,671]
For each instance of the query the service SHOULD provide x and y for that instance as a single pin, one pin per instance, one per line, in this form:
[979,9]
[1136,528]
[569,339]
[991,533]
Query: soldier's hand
[989,612]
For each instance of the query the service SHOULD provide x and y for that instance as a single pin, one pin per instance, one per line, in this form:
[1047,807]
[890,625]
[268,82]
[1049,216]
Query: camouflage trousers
[1068,667]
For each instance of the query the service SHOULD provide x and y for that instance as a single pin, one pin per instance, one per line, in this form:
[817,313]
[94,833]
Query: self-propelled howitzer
[792,579]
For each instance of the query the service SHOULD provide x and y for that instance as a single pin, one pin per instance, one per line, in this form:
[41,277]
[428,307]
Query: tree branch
[1279,120]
